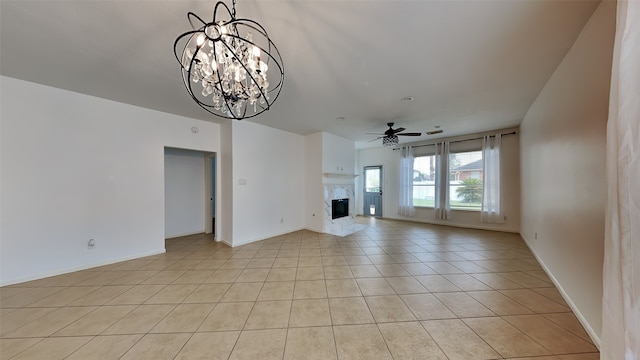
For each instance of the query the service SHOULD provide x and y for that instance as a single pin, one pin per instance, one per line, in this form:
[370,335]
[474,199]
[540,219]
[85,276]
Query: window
[424,176]
[465,180]
[372,179]
[465,183]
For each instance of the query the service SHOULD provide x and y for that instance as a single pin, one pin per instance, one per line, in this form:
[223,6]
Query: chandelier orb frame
[224,64]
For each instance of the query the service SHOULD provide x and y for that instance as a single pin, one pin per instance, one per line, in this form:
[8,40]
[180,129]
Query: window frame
[456,147]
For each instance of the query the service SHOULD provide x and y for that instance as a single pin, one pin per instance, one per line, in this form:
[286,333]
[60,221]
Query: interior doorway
[373,191]
[188,190]
[210,165]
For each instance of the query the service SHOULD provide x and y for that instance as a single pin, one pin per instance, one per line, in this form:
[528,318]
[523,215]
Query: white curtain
[491,201]
[406,182]
[443,209]
[620,337]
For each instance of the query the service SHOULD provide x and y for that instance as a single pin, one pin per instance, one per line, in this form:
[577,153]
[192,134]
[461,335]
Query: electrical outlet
[535,236]
[281,221]
[91,244]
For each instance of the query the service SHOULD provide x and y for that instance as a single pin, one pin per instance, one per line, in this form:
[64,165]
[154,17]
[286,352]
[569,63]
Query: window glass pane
[424,176]
[465,180]
[372,180]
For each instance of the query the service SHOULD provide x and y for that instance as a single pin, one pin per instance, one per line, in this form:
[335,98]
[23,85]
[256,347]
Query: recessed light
[341,118]
[437,126]
[407,99]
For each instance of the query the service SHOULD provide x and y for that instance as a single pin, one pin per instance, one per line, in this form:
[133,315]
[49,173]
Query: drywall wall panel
[224,217]
[314,199]
[338,154]
[268,182]
[76,167]
[563,140]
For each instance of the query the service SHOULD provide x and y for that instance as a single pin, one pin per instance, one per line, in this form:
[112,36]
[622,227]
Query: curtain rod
[455,141]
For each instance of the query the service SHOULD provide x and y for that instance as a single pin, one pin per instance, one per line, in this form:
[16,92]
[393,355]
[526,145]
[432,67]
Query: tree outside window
[424,176]
[465,181]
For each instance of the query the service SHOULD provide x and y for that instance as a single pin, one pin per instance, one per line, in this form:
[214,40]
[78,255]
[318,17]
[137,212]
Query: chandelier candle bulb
[229,59]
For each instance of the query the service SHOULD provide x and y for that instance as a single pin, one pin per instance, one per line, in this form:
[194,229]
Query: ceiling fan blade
[378,138]
[391,132]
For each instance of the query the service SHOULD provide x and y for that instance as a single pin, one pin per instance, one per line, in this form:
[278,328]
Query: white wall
[268,182]
[184,192]
[338,154]
[314,198]
[563,168]
[224,203]
[390,161]
[76,167]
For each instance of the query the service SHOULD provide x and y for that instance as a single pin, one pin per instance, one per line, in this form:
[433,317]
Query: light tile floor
[394,290]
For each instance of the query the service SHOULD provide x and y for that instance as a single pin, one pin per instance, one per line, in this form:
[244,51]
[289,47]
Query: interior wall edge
[188,234]
[79,268]
[228,243]
[583,321]
[250,241]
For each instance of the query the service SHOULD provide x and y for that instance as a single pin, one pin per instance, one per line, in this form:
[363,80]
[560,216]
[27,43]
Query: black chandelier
[225,62]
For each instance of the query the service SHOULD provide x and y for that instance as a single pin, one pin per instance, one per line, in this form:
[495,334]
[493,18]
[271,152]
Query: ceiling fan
[390,137]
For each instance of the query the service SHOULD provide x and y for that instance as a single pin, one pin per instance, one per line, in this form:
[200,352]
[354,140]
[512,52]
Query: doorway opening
[189,194]
[210,184]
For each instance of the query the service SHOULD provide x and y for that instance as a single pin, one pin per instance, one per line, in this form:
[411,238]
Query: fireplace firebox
[339,208]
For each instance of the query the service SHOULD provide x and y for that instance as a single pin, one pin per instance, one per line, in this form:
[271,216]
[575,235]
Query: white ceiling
[472,65]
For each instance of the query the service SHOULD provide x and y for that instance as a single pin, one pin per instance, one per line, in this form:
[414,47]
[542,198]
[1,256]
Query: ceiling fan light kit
[390,141]
[224,64]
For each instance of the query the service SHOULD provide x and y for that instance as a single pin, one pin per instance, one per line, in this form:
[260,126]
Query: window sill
[431,207]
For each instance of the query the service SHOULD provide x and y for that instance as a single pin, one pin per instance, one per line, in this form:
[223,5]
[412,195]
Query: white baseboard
[456,225]
[235,244]
[224,242]
[78,268]
[592,334]
[185,234]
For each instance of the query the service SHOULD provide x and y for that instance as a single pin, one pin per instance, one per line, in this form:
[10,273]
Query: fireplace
[339,208]
[338,214]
